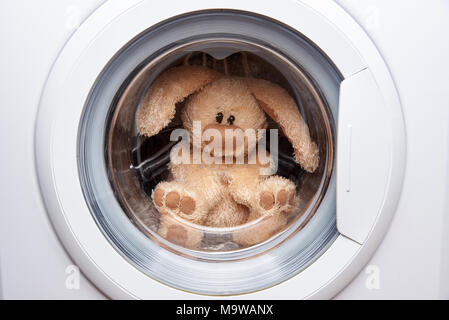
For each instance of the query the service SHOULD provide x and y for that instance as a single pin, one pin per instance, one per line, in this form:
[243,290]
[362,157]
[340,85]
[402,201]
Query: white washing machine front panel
[33,261]
[412,261]
[27,236]
[109,28]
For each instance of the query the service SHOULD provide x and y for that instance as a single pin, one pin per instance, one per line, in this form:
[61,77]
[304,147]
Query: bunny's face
[218,103]
[225,108]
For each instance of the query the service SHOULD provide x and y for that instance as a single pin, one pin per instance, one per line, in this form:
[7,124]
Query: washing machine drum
[206,152]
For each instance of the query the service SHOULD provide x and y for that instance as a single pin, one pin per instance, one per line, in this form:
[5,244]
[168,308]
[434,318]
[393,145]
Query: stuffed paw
[276,195]
[173,198]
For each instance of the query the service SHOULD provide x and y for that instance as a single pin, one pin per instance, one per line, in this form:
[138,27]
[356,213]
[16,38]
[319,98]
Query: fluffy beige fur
[224,195]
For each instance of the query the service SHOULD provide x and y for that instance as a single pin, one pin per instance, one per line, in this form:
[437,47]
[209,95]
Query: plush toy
[227,194]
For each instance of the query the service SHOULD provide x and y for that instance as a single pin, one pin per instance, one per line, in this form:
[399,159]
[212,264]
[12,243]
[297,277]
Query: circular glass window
[206,152]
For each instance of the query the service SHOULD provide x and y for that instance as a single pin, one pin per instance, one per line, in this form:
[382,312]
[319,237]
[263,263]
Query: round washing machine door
[98,172]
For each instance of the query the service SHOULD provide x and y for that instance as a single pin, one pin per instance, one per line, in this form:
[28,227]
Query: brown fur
[224,195]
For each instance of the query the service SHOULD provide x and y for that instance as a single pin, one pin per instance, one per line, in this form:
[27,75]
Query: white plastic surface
[412,260]
[364,155]
[33,262]
[68,86]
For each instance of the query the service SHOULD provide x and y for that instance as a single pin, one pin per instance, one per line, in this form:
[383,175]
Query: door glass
[214,146]
[218,197]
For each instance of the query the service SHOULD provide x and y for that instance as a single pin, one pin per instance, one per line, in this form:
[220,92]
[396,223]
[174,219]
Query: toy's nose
[233,130]
[221,127]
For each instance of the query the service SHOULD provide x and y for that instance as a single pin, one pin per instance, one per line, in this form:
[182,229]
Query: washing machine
[79,218]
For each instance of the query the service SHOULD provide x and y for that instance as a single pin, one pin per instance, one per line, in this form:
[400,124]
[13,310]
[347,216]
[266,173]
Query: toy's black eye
[231,119]
[219,117]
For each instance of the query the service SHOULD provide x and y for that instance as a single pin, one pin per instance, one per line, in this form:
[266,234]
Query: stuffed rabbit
[223,194]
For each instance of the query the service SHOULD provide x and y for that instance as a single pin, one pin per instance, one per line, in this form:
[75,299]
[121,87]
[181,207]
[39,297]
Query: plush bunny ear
[282,108]
[171,87]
